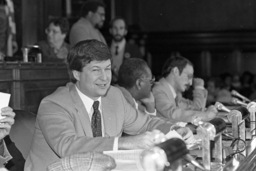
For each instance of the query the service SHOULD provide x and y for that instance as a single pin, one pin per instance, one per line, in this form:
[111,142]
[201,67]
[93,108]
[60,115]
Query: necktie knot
[95,105]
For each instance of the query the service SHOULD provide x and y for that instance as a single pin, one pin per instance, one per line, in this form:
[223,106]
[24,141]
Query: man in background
[177,76]
[54,48]
[119,47]
[91,20]
[135,81]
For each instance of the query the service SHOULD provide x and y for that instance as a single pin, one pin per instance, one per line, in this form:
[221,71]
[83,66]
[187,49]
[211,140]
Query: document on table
[126,160]
[4,101]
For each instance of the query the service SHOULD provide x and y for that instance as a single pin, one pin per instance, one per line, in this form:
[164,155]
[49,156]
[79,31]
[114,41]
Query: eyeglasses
[151,81]
[48,30]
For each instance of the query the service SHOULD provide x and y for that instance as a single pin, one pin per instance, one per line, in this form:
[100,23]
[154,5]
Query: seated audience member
[224,94]
[177,76]
[90,115]
[212,88]
[6,122]
[246,84]
[54,48]
[119,47]
[90,161]
[135,81]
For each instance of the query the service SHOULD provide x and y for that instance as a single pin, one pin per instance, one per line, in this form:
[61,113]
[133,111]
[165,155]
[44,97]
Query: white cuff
[115,146]
[149,113]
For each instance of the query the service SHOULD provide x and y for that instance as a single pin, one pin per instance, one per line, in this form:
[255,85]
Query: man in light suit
[177,76]
[89,114]
[135,81]
[119,47]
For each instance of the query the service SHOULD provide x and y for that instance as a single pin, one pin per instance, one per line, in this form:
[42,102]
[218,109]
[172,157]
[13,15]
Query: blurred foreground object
[91,161]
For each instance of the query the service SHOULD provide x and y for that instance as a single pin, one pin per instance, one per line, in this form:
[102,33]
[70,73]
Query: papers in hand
[126,160]
[4,101]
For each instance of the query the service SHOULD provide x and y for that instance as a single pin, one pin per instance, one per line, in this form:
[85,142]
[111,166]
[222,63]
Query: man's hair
[62,23]
[91,5]
[86,51]
[117,18]
[131,70]
[172,62]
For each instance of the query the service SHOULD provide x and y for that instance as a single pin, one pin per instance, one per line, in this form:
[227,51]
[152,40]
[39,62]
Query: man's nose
[103,75]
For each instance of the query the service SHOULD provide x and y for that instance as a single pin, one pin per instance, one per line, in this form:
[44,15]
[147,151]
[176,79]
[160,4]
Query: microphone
[193,161]
[220,106]
[238,102]
[235,93]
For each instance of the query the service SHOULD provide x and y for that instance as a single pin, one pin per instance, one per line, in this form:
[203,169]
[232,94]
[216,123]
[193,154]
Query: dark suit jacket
[131,50]
[63,126]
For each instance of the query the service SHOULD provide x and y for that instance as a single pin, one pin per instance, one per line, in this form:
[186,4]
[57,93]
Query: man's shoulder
[159,85]
[60,94]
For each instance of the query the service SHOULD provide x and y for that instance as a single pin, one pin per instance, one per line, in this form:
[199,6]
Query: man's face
[54,34]
[118,30]
[94,80]
[146,84]
[98,17]
[185,79]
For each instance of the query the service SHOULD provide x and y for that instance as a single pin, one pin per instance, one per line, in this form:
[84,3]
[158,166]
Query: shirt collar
[172,89]
[87,101]
[119,44]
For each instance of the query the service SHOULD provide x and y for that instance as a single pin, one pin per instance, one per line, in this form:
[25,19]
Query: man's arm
[167,108]
[5,126]
[199,97]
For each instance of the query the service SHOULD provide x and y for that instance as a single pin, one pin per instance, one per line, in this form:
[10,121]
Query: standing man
[177,76]
[90,115]
[87,27]
[135,81]
[120,48]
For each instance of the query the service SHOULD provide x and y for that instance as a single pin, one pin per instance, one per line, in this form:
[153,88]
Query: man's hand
[186,135]
[149,103]
[141,141]
[6,122]
[210,113]
[198,82]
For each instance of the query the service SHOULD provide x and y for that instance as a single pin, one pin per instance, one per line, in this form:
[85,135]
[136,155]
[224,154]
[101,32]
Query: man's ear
[76,74]
[176,71]
[138,84]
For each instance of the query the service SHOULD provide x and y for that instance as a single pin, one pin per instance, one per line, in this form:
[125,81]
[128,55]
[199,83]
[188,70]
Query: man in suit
[87,27]
[89,114]
[135,81]
[177,76]
[119,47]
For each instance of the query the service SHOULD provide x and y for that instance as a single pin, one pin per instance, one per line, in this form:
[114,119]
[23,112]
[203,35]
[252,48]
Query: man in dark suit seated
[119,47]
[135,81]
[89,115]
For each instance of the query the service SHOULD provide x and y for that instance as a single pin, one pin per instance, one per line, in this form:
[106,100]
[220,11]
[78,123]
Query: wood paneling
[28,83]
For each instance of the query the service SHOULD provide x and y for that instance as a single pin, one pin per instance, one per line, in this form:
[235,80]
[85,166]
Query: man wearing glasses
[87,27]
[135,81]
[54,48]
[177,76]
